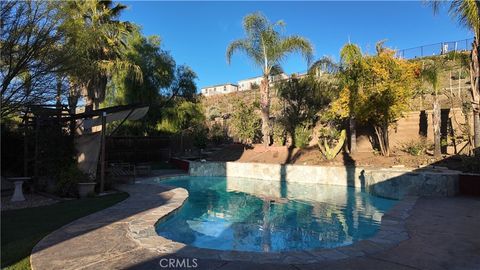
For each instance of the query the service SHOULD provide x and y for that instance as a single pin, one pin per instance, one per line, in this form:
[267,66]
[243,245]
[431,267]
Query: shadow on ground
[443,234]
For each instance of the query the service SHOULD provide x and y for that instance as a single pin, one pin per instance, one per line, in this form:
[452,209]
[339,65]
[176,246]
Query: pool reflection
[256,215]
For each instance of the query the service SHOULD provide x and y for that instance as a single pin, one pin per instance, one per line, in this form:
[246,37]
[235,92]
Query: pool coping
[392,231]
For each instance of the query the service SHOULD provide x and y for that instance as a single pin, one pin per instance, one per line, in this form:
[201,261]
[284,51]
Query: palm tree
[351,78]
[431,73]
[467,12]
[267,48]
[98,41]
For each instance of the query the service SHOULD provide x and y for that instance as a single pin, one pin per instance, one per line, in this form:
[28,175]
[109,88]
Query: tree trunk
[383,140]
[58,97]
[436,127]
[475,83]
[476,128]
[89,104]
[353,135]
[386,141]
[265,109]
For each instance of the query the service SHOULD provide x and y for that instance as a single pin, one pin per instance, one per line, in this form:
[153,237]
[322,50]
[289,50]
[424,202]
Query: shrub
[459,75]
[245,122]
[302,136]
[279,134]
[216,133]
[213,113]
[200,136]
[471,164]
[416,147]
[68,178]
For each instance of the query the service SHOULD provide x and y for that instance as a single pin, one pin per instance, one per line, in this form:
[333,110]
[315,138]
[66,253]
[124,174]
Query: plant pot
[85,189]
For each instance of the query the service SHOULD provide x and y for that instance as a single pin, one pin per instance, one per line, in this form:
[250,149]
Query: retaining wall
[390,183]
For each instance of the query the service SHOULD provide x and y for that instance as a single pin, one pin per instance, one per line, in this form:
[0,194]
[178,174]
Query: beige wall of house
[219,89]
[248,84]
[243,85]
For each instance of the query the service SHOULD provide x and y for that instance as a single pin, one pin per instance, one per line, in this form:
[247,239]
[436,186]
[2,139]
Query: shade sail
[130,114]
[88,145]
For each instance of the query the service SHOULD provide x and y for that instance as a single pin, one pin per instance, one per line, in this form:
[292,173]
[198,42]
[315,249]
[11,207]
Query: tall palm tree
[98,40]
[431,73]
[267,48]
[351,78]
[467,12]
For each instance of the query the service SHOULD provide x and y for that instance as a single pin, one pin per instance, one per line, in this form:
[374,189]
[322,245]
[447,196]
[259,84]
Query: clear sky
[198,33]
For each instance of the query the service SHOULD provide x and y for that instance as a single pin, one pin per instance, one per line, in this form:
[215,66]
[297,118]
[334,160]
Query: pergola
[77,124]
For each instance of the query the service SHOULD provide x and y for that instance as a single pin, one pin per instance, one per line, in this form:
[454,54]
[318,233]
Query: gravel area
[31,200]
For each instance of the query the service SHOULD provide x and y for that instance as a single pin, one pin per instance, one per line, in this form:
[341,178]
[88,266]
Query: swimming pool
[270,216]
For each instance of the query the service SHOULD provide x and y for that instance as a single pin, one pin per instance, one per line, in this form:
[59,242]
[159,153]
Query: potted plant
[72,181]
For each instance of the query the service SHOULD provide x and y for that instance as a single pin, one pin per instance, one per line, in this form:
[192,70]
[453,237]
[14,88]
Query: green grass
[23,228]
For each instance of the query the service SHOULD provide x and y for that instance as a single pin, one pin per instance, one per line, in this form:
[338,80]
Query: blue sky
[197,33]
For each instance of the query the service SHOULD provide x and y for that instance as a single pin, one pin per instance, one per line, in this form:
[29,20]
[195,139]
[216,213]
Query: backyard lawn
[23,228]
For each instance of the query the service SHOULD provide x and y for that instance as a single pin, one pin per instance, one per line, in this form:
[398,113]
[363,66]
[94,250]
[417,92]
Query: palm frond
[467,12]
[108,67]
[434,4]
[431,73]
[265,45]
[243,45]
[255,23]
[276,70]
[296,44]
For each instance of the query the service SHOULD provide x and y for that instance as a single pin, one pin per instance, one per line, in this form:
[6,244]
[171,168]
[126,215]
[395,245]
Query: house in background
[219,89]
[249,84]
[254,83]
[243,85]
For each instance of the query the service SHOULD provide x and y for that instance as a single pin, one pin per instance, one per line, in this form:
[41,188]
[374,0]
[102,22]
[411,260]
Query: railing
[435,49]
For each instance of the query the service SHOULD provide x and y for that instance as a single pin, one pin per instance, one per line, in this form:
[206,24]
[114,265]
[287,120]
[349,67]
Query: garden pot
[85,189]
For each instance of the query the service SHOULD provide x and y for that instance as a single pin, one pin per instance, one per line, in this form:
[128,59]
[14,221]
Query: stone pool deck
[439,233]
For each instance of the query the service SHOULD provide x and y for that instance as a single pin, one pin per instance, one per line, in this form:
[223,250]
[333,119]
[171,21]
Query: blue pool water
[255,215]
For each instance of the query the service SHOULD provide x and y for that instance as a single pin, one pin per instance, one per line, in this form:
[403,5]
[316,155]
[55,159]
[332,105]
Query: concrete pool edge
[392,183]
[392,231]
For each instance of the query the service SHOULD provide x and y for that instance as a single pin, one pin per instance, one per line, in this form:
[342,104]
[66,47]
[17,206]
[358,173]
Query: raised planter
[180,164]
[85,189]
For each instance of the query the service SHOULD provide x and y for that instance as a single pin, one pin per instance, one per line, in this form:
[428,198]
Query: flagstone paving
[428,233]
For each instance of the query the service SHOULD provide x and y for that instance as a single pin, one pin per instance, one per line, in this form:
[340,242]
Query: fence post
[102,164]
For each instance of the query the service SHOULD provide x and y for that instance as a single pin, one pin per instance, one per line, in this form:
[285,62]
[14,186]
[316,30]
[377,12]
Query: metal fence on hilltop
[435,49]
